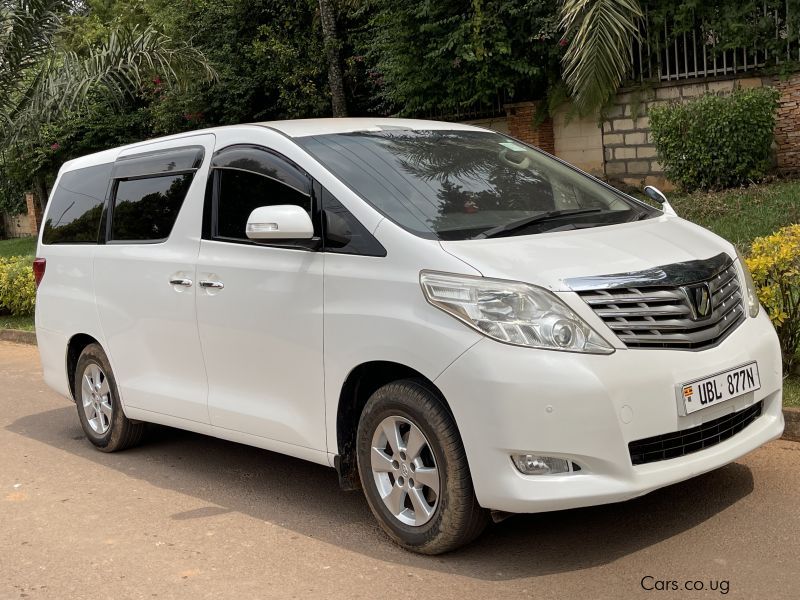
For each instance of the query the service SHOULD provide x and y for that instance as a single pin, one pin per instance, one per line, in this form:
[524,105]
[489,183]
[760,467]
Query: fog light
[531,464]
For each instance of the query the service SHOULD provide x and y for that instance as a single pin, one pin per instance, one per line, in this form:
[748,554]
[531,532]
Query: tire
[448,519]
[99,407]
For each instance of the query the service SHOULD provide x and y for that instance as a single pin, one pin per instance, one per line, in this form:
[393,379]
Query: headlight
[751,298]
[512,312]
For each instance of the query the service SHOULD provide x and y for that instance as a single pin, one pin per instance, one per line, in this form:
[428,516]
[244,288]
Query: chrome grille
[663,316]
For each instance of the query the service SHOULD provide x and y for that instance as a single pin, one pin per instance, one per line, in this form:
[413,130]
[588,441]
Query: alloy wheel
[96,398]
[405,471]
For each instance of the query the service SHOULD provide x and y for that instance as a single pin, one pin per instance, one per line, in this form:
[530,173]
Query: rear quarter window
[76,206]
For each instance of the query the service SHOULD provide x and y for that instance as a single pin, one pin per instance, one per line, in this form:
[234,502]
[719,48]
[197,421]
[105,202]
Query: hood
[547,259]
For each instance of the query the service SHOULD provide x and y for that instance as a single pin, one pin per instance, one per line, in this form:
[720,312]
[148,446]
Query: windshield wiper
[540,218]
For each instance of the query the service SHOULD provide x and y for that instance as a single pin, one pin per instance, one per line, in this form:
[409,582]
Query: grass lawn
[742,214]
[9,322]
[791,391]
[25,246]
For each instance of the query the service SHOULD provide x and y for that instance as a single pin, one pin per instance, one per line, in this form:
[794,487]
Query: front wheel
[414,470]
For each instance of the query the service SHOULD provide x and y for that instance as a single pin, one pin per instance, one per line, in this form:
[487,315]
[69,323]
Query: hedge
[17,286]
[716,142]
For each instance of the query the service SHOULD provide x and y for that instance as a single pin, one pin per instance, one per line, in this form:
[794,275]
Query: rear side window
[73,216]
[145,209]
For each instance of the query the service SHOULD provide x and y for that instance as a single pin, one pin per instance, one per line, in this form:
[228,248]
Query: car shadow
[305,498]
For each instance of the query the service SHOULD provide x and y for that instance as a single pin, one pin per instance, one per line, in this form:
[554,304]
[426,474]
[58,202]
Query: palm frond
[597,59]
[63,82]
[27,29]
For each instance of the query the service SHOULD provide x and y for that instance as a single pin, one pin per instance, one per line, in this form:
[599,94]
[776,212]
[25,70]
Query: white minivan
[458,323]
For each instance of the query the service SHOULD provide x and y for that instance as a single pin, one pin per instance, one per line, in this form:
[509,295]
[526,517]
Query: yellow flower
[774,262]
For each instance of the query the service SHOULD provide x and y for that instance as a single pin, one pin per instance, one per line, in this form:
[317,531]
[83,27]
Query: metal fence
[664,54]
[477,110]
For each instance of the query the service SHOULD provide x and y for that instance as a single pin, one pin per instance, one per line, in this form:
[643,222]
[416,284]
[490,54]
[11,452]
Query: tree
[331,41]
[42,81]
[441,57]
[598,35]
[269,55]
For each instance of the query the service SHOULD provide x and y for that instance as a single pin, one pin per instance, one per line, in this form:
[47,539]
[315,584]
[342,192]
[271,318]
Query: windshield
[455,185]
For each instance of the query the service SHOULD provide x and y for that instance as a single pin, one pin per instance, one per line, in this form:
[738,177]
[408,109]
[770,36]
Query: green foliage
[445,55]
[598,57]
[775,264]
[43,80]
[65,76]
[103,125]
[716,142]
[17,286]
[268,54]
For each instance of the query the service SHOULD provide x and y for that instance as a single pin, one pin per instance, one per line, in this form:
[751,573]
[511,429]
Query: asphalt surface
[186,516]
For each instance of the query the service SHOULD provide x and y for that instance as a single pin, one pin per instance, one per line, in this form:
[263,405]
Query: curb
[791,414]
[18,336]
[791,432]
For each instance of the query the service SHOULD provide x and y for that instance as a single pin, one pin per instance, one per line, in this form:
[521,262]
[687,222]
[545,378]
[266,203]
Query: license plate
[715,389]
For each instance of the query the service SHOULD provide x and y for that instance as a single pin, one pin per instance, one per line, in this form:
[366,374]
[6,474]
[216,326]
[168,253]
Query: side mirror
[280,222]
[656,195]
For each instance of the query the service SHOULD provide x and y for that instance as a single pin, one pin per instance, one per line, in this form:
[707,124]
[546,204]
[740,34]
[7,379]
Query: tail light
[39,265]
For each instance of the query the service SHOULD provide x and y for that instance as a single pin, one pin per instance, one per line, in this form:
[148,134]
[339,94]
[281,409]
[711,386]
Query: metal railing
[666,54]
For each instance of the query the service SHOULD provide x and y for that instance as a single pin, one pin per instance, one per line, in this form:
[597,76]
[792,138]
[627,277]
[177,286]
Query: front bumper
[586,408]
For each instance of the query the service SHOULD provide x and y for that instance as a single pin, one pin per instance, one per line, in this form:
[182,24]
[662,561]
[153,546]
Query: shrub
[17,286]
[716,142]
[775,264]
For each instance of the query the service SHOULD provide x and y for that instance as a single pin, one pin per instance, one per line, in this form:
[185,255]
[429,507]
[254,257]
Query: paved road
[186,516]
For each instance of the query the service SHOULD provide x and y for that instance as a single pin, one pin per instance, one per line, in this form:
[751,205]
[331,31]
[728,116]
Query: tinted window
[455,184]
[145,209]
[73,216]
[256,159]
[344,234]
[241,192]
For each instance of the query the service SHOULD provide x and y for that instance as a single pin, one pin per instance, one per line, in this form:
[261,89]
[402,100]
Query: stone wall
[787,128]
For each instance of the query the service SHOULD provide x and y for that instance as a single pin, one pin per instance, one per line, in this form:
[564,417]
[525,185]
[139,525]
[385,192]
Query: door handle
[181,281]
[217,285]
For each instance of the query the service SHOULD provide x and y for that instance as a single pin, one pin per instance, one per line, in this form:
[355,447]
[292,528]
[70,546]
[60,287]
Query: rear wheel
[99,408]
[414,471]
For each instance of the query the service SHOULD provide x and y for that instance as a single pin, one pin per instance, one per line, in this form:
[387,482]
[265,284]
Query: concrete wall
[630,155]
[16,225]
[578,140]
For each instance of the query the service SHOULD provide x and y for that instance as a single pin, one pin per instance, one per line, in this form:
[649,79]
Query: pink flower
[55,146]
[157,80]
[562,42]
